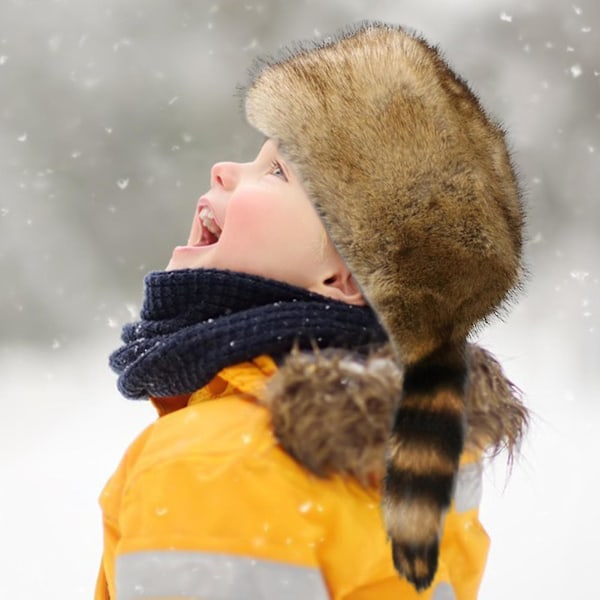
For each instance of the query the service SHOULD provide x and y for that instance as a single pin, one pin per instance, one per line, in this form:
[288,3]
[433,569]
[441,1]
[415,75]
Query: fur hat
[415,186]
[411,177]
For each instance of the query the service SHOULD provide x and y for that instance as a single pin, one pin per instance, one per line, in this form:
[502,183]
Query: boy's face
[256,218]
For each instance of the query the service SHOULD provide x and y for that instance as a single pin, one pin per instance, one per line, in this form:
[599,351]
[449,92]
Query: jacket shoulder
[226,427]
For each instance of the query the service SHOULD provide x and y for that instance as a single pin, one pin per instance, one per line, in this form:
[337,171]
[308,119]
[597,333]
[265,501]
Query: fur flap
[332,410]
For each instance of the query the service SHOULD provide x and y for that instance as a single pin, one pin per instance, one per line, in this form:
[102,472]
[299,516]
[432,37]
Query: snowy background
[111,114]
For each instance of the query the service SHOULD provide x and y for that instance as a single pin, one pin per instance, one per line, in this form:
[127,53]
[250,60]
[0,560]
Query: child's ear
[342,286]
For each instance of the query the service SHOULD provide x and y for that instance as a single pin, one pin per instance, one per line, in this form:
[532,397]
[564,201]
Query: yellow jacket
[207,505]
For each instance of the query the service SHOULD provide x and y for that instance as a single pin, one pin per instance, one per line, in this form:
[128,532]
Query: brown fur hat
[410,176]
[414,184]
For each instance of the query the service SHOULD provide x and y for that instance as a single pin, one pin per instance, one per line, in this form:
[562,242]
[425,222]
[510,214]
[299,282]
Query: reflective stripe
[171,574]
[469,487]
[443,591]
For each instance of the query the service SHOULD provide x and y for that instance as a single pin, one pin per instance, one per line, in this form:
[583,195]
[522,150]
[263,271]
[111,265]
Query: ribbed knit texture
[195,322]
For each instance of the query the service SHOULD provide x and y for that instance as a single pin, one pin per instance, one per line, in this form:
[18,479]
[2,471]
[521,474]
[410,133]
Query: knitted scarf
[195,322]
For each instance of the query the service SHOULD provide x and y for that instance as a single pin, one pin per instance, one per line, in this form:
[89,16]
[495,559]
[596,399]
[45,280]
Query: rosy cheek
[251,216]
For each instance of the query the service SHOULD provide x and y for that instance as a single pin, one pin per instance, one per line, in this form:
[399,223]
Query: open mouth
[210,231]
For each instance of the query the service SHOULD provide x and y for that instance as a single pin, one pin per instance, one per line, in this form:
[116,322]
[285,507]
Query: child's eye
[277,170]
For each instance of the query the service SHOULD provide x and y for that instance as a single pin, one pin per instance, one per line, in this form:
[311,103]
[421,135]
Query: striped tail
[426,442]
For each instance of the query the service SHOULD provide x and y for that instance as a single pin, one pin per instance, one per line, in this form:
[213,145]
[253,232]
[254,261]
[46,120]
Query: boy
[260,479]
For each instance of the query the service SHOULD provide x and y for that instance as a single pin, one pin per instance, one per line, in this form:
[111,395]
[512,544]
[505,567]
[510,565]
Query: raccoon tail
[424,449]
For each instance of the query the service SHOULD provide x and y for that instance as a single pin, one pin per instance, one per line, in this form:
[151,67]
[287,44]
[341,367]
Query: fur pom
[332,410]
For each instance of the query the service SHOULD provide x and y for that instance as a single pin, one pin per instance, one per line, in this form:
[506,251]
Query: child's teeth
[208,219]
[206,213]
[213,228]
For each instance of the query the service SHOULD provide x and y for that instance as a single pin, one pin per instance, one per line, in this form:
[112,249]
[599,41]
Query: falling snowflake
[536,239]
[132,309]
[305,507]
[251,46]
[123,183]
[576,71]
[579,275]
[22,138]
[506,17]
[122,42]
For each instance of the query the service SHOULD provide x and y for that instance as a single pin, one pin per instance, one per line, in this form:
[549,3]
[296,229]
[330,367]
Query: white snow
[63,431]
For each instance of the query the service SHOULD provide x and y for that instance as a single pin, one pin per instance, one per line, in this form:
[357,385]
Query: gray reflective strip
[171,574]
[443,591]
[469,487]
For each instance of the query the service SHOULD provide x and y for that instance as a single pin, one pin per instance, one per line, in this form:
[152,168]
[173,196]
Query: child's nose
[225,175]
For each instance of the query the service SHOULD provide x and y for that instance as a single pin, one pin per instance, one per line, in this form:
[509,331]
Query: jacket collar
[249,378]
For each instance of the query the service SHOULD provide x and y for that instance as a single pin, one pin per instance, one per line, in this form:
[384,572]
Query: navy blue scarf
[195,322]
